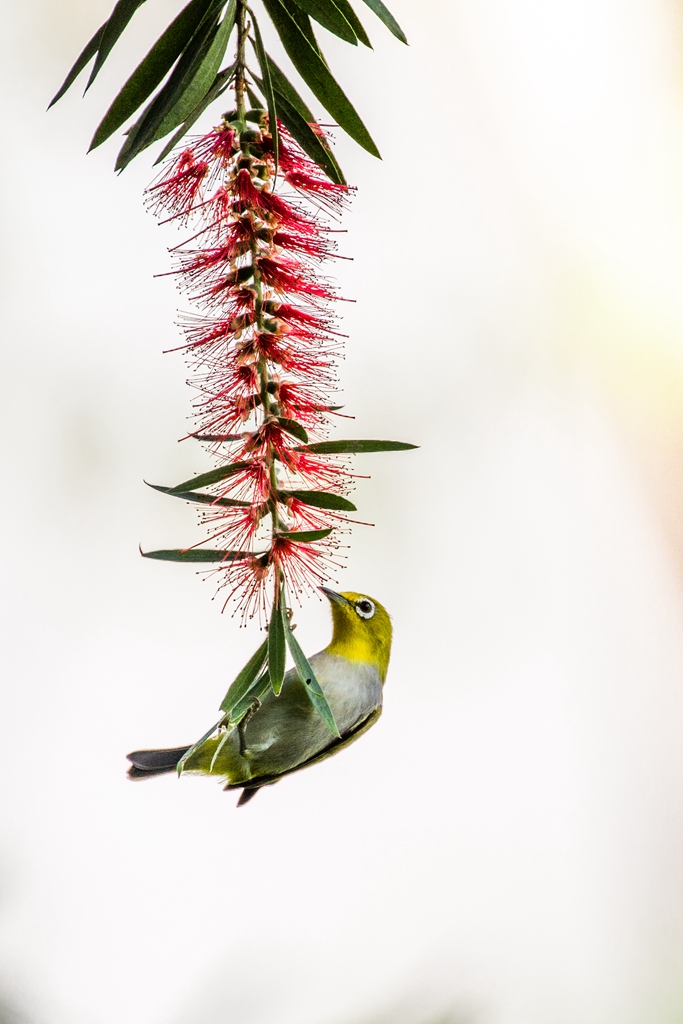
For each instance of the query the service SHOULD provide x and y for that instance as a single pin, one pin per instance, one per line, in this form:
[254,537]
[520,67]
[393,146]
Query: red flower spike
[263,352]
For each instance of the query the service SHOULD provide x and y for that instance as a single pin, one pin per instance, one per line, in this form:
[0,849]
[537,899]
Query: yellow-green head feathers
[361,629]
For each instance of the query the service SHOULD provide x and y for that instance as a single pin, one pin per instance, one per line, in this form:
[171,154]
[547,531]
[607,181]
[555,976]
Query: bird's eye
[365,608]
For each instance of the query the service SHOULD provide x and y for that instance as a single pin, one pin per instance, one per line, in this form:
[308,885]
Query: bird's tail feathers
[147,763]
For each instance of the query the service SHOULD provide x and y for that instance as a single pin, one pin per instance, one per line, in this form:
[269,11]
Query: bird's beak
[332,595]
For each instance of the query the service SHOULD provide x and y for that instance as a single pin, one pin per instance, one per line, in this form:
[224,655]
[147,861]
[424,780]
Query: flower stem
[241,20]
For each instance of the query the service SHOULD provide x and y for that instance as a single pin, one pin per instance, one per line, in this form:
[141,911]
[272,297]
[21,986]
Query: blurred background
[506,847]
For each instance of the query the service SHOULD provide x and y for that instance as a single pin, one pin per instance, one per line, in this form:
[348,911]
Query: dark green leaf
[212,477]
[143,132]
[327,14]
[152,69]
[315,72]
[256,692]
[356,447]
[267,88]
[284,87]
[223,438]
[353,20]
[253,98]
[203,499]
[298,125]
[311,684]
[306,536]
[321,499]
[197,88]
[221,83]
[277,649]
[293,428]
[196,555]
[83,58]
[387,18]
[245,678]
[118,19]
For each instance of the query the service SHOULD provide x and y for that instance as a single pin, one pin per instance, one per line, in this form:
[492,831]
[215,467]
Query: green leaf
[267,88]
[284,87]
[151,70]
[277,650]
[311,684]
[315,72]
[353,20]
[298,124]
[294,428]
[83,58]
[143,132]
[212,477]
[245,678]
[188,753]
[203,79]
[221,83]
[222,438]
[118,19]
[387,18]
[356,447]
[321,499]
[196,555]
[327,14]
[256,692]
[306,536]
[203,499]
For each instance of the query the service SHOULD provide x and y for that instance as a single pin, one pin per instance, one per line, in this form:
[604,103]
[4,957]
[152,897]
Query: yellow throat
[361,629]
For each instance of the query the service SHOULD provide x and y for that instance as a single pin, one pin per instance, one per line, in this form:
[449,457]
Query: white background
[507,845]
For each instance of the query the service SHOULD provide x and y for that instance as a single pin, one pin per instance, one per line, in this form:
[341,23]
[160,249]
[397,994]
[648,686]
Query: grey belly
[284,733]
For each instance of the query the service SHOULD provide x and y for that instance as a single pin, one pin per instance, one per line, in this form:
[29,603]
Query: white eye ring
[365,608]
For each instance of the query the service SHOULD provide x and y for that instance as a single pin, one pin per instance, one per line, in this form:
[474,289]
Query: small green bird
[285,733]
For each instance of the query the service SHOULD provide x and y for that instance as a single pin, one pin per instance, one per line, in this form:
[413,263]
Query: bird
[285,733]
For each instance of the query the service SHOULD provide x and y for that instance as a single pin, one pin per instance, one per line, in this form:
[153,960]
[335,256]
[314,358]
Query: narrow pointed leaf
[221,83]
[321,499]
[311,684]
[151,70]
[83,58]
[195,746]
[202,81]
[298,124]
[143,132]
[219,746]
[354,21]
[306,536]
[315,72]
[245,678]
[267,88]
[277,649]
[293,428]
[356,447]
[284,87]
[222,438]
[118,19]
[256,692]
[203,499]
[212,477]
[387,18]
[327,14]
[196,555]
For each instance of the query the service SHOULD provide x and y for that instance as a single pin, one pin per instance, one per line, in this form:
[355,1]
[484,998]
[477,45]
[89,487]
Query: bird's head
[361,629]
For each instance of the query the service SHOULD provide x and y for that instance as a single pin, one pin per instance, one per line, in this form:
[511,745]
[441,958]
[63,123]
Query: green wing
[334,747]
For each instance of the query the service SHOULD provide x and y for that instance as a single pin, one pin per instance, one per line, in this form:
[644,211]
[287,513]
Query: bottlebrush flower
[263,351]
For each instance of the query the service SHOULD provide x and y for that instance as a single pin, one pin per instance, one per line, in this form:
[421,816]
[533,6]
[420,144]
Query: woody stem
[241,21]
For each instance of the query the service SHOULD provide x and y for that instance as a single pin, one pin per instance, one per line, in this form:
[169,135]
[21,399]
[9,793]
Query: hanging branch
[255,195]
[183,67]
